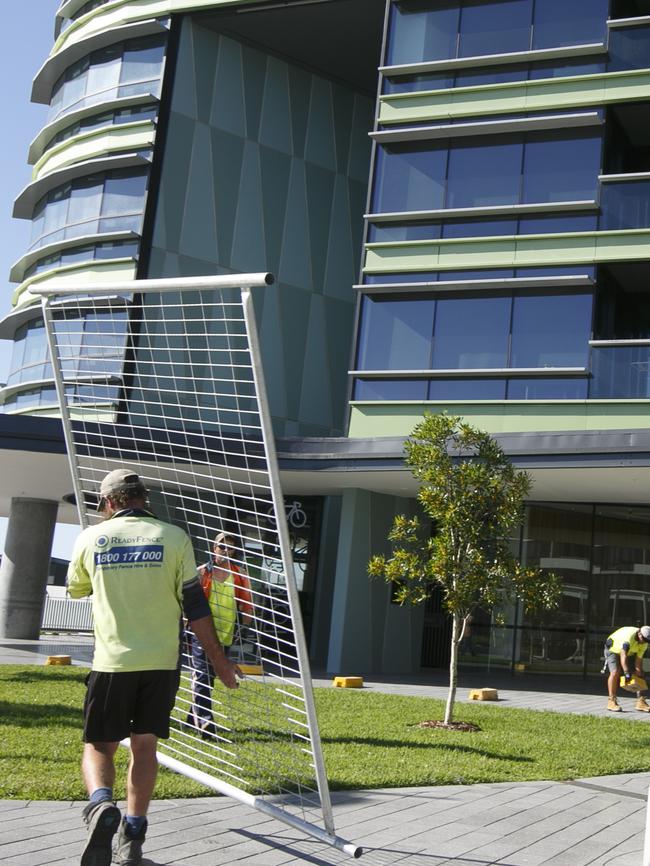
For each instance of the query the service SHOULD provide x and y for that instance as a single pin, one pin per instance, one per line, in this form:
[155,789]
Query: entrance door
[436,634]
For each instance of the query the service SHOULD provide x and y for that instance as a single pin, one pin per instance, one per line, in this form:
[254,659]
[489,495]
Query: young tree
[474,498]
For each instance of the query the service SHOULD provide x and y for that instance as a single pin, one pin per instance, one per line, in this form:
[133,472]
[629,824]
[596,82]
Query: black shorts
[128,702]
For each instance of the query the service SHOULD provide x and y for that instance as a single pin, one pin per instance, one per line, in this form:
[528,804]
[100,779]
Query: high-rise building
[454,196]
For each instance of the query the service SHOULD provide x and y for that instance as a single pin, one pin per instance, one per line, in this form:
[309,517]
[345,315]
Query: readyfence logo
[102,541]
[145,554]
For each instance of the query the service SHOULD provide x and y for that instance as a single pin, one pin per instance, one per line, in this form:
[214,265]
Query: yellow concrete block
[58,660]
[348,682]
[253,670]
[484,695]
[520,667]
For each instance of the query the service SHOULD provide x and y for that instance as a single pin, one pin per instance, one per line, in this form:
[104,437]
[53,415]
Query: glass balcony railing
[620,372]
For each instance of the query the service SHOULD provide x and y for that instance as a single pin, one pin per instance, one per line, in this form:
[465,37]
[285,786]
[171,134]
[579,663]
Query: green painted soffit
[548,93]
[134,136]
[398,419]
[508,252]
[120,12]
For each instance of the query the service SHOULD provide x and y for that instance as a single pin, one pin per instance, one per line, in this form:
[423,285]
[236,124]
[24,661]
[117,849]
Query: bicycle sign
[296,517]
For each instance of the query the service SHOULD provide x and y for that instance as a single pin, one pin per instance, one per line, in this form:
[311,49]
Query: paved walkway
[597,821]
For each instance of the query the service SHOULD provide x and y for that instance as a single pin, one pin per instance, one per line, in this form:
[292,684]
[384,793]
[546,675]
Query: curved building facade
[455,200]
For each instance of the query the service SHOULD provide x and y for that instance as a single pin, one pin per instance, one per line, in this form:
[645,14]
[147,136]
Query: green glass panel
[228,100]
[275,128]
[295,265]
[248,250]
[320,192]
[299,96]
[227,155]
[206,51]
[199,233]
[319,147]
[276,168]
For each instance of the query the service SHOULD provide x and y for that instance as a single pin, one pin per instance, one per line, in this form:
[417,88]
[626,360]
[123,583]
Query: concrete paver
[589,822]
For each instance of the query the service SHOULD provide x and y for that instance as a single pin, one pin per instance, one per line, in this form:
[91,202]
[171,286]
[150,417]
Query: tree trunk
[453,667]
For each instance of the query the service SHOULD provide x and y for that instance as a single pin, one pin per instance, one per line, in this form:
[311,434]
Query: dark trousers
[200,710]
[203,677]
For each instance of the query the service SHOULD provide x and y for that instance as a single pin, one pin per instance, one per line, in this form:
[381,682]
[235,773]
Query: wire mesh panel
[168,382]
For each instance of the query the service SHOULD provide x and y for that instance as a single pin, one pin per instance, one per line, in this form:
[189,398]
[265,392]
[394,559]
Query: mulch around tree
[452,726]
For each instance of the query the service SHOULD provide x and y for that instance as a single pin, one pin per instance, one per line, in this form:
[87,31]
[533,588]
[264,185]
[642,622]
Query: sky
[26,37]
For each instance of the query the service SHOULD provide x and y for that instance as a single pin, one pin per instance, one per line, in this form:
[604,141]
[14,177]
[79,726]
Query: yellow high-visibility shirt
[134,567]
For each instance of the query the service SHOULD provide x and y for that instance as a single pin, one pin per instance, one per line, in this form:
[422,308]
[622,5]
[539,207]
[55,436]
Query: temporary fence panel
[164,376]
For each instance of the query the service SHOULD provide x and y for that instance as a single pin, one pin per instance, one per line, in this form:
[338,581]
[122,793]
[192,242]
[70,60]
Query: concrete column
[24,567]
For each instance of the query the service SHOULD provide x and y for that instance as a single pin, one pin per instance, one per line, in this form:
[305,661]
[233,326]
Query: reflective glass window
[557,22]
[123,193]
[141,62]
[471,333]
[556,69]
[561,169]
[467,389]
[395,334]
[620,372]
[72,210]
[629,48]
[418,32]
[547,389]
[104,73]
[567,271]
[479,228]
[494,28]
[580,222]
[625,205]
[406,232]
[410,83]
[409,178]
[85,199]
[551,330]
[390,389]
[491,75]
[488,174]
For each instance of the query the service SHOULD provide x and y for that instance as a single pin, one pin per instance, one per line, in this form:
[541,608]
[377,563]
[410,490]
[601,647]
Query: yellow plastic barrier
[348,682]
[484,695]
[635,684]
[58,660]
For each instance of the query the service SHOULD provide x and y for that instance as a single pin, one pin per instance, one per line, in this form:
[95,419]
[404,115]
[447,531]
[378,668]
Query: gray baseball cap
[121,481]
[645,633]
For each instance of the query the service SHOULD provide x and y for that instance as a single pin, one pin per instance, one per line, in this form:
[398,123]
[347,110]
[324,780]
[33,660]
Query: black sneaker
[102,820]
[129,846]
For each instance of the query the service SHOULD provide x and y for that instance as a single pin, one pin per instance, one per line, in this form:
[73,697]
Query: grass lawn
[370,740]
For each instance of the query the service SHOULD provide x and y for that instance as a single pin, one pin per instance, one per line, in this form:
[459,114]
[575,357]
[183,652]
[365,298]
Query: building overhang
[593,466]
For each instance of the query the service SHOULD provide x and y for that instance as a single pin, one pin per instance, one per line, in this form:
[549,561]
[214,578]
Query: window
[75,209]
[410,178]
[500,170]
[467,389]
[422,30]
[390,389]
[118,70]
[551,330]
[495,331]
[395,334]
[419,32]
[557,169]
[489,174]
[494,28]
[547,389]
[557,23]
[471,332]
